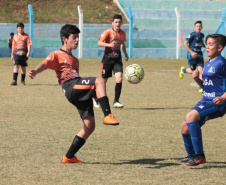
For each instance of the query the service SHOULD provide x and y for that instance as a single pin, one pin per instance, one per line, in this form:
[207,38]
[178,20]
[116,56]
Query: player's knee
[184,128]
[119,80]
[91,128]
[100,81]
[192,116]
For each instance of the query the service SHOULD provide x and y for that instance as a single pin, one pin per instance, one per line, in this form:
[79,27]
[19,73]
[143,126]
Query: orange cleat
[110,120]
[72,160]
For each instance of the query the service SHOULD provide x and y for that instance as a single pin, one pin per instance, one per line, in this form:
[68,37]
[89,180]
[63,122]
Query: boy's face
[117,23]
[212,48]
[20,30]
[72,41]
[198,27]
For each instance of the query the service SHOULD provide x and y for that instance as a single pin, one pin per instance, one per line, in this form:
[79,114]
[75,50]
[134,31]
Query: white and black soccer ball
[134,73]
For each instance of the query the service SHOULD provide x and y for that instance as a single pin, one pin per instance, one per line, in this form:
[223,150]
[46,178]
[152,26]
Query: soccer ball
[134,73]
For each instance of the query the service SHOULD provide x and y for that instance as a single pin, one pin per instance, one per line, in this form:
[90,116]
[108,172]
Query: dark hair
[219,38]
[117,16]
[20,24]
[67,30]
[11,33]
[198,22]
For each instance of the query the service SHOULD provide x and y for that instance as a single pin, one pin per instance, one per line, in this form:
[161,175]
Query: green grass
[58,11]
[38,125]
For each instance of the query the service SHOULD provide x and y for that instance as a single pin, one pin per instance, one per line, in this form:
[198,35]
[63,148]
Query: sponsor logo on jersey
[48,58]
[112,37]
[212,69]
[208,82]
[211,95]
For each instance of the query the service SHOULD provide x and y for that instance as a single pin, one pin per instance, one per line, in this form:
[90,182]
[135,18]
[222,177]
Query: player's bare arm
[29,51]
[12,53]
[104,44]
[39,69]
[196,77]
[124,50]
[193,54]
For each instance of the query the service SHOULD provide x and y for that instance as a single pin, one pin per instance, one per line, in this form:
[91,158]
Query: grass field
[38,125]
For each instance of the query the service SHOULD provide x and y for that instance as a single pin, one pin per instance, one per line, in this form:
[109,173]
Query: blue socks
[184,70]
[188,144]
[196,136]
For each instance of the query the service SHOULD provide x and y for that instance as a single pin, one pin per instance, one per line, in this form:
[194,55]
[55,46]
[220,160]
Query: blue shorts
[207,110]
[194,62]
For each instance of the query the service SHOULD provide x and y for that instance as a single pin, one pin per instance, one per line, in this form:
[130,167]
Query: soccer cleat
[196,160]
[96,104]
[110,120]
[13,83]
[181,74]
[23,82]
[200,90]
[117,105]
[183,160]
[72,160]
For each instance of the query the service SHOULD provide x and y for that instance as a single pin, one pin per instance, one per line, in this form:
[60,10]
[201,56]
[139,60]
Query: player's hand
[28,55]
[126,57]
[218,100]
[32,74]
[195,74]
[11,57]
[113,44]
[194,55]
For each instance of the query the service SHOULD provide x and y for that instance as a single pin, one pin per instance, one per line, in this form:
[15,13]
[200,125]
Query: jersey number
[85,81]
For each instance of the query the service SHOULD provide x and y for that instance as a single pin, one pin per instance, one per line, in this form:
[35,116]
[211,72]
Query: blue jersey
[214,78]
[195,41]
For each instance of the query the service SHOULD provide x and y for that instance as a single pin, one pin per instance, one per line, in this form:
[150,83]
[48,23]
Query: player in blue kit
[194,44]
[212,104]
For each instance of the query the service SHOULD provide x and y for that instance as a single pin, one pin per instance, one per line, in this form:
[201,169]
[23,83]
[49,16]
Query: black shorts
[80,92]
[20,60]
[107,68]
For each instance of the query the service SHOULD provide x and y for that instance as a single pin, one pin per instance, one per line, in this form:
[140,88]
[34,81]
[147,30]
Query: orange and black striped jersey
[110,35]
[66,66]
[21,43]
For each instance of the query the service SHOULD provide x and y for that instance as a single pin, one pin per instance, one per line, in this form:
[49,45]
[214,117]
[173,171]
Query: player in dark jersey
[21,47]
[212,104]
[79,91]
[10,40]
[113,40]
[194,44]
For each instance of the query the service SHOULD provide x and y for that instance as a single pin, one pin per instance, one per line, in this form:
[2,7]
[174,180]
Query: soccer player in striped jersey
[113,40]
[211,106]
[21,47]
[79,91]
[194,44]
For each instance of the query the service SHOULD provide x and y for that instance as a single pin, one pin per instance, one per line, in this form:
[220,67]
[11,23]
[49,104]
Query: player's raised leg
[102,98]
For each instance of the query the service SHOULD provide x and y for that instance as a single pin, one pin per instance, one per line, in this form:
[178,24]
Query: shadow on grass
[154,162]
[42,85]
[207,165]
[155,108]
[210,165]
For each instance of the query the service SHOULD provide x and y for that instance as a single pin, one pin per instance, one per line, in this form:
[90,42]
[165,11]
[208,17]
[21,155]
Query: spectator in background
[21,47]
[10,40]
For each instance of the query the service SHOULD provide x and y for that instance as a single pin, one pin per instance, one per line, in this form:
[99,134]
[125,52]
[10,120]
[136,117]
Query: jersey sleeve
[51,61]
[189,37]
[124,39]
[103,37]
[29,43]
